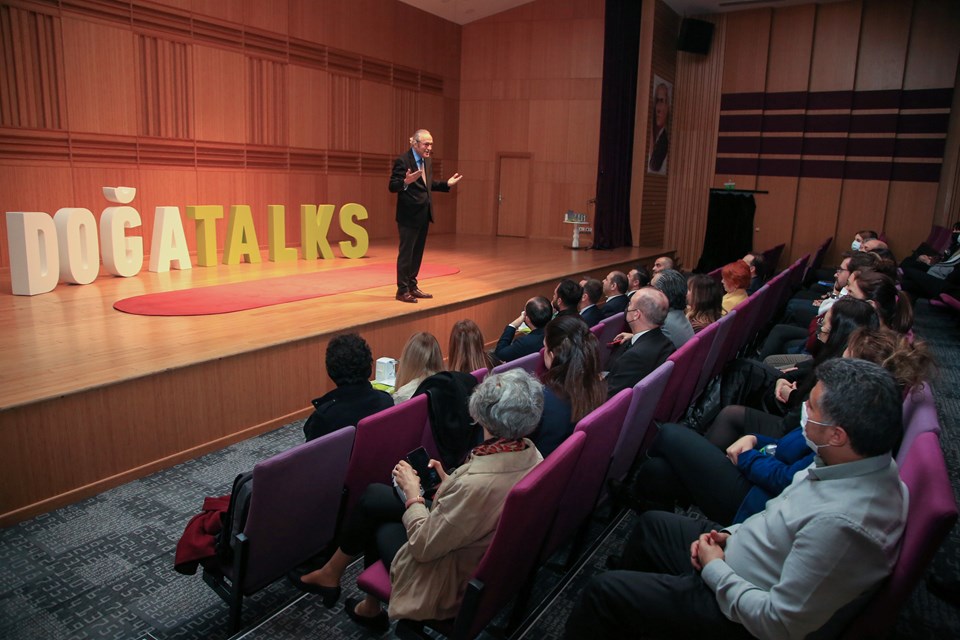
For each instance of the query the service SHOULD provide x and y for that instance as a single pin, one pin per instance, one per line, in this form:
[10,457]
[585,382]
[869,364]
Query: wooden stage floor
[91,397]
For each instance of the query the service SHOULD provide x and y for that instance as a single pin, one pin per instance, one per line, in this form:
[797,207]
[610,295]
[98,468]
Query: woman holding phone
[432,549]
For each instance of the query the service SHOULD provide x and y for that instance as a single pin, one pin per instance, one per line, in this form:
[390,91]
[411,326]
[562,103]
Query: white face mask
[855,245]
[804,418]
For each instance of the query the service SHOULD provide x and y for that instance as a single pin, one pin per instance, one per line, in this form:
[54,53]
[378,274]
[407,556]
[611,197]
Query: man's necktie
[423,174]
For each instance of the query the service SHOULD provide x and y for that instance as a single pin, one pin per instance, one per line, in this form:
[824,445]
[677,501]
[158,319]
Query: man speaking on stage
[411,180]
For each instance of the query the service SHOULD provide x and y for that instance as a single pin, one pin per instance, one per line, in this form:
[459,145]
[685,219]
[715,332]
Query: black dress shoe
[330,595]
[416,293]
[406,296]
[379,623]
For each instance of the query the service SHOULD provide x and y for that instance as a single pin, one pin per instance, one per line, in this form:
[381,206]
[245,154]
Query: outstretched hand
[454,179]
[412,176]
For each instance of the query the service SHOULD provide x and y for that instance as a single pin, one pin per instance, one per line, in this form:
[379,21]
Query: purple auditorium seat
[950,301]
[383,439]
[771,257]
[711,366]
[684,366]
[508,564]
[606,331]
[602,427]
[931,515]
[292,517]
[799,268]
[817,261]
[646,395]
[919,416]
[532,364]
[480,374]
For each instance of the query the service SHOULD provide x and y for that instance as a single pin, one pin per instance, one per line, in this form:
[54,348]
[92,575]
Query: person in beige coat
[433,549]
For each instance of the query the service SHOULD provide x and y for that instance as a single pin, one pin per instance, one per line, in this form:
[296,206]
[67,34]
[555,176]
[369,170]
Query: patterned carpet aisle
[103,568]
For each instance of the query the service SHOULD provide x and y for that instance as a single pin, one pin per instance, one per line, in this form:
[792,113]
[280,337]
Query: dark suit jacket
[631,363]
[615,305]
[414,207]
[508,349]
[344,406]
[592,315]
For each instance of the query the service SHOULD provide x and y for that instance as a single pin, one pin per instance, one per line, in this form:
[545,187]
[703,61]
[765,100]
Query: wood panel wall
[696,112]
[854,63]
[221,102]
[649,219]
[530,84]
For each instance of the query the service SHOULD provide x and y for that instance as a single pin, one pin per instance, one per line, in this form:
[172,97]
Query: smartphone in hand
[419,460]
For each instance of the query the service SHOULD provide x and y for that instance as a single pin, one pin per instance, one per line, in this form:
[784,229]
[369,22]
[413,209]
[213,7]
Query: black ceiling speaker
[695,36]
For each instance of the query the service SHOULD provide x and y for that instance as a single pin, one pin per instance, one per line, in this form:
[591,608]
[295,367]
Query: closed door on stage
[513,195]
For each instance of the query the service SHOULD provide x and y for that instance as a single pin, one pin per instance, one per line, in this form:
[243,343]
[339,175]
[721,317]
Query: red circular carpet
[239,296]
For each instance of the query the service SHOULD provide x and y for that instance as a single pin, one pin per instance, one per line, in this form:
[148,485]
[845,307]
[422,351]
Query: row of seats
[302,494]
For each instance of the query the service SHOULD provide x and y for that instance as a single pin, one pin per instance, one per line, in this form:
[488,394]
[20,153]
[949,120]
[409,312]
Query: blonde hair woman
[421,358]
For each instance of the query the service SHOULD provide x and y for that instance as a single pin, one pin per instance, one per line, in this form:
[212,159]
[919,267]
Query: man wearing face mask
[808,562]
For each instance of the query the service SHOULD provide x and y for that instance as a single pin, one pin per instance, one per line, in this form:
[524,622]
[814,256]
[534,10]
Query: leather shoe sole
[379,623]
[416,293]
[406,297]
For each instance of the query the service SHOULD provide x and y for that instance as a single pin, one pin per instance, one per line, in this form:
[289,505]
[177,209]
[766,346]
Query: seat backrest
[797,271]
[293,508]
[646,395]
[712,365]
[919,416]
[602,427]
[382,440]
[683,360]
[684,384]
[771,258]
[717,274]
[532,364]
[748,316]
[818,257]
[606,331]
[524,523]
[939,238]
[480,374]
[932,513]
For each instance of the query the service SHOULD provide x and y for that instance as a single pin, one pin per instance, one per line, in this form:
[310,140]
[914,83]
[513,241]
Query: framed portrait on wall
[659,141]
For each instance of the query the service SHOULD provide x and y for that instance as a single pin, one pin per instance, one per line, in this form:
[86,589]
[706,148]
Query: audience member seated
[637,278]
[797,328]
[770,402]
[420,359]
[758,273]
[735,278]
[466,353]
[881,292]
[806,564]
[431,549]
[676,327]
[731,485]
[826,273]
[704,301]
[566,298]
[661,264]
[536,314]
[572,386]
[589,311]
[928,276]
[615,289]
[925,256]
[640,352]
[349,364]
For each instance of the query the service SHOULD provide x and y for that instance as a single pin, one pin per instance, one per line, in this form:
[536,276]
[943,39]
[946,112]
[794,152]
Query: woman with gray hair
[431,549]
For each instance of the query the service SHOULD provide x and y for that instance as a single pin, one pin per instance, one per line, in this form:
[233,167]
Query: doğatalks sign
[45,250]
